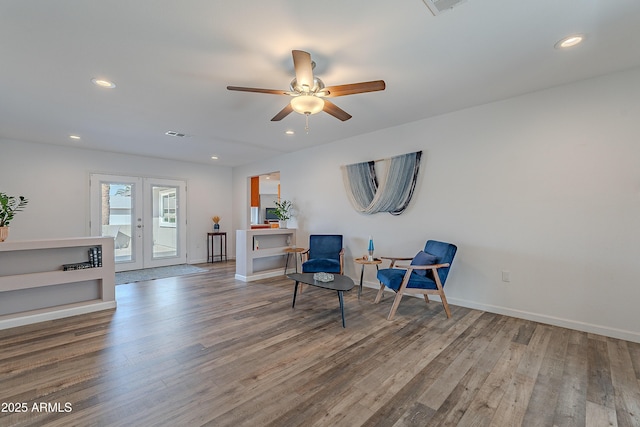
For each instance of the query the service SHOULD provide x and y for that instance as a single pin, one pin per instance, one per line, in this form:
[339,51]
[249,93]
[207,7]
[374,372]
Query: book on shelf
[95,256]
[77,266]
[95,260]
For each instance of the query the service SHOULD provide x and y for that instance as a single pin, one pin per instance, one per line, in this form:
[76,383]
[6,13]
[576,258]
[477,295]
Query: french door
[145,216]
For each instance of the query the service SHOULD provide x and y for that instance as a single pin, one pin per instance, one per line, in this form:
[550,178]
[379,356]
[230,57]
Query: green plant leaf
[9,205]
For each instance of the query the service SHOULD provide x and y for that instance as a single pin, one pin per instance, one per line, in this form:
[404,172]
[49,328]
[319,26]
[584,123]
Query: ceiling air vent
[438,6]
[174,133]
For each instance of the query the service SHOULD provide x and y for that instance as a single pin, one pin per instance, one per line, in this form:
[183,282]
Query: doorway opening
[265,190]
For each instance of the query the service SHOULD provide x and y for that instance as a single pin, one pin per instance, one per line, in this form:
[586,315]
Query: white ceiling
[172,60]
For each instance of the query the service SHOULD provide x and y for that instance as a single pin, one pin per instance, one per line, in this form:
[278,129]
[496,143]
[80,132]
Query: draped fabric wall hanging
[393,194]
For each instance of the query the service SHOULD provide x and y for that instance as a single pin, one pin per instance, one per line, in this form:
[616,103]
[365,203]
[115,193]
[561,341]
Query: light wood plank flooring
[206,349]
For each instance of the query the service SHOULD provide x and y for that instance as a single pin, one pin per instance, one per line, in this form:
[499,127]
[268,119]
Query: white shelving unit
[34,288]
[260,252]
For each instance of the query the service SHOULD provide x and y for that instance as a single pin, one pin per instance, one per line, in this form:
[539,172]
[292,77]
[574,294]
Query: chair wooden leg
[394,307]
[379,296]
[441,294]
[426,298]
[445,305]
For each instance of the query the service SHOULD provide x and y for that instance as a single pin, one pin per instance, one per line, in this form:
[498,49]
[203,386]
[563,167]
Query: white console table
[34,287]
[260,252]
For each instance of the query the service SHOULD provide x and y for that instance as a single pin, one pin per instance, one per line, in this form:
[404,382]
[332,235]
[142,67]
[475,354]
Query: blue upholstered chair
[325,254]
[426,274]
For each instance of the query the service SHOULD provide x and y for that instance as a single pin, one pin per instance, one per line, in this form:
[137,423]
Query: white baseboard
[55,314]
[551,320]
[205,261]
[264,275]
[536,317]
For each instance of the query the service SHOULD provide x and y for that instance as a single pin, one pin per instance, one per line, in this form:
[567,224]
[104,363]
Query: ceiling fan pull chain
[306,124]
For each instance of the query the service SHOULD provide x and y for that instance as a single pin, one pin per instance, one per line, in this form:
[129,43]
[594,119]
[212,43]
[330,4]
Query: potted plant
[216,226]
[9,205]
[283,212]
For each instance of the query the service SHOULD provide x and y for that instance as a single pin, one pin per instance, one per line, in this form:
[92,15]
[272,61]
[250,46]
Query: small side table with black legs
[223,245]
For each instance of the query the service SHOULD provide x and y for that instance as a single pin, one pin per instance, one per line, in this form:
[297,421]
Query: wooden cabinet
[260,252]
[255,192]
[34,287]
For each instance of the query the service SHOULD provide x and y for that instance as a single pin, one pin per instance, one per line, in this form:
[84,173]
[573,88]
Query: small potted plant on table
[9,205]
[283,212]
[216,225]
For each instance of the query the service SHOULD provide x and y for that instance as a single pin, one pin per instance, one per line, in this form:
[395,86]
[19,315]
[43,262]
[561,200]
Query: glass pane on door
[116,212]
[165,220]
[116,217]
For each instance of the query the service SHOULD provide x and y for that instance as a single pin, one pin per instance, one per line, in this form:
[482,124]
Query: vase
[216,228]
[4,233]
[282,223]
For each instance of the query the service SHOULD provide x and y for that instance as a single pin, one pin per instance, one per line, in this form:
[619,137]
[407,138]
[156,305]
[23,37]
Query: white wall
[56,182]
[546,186]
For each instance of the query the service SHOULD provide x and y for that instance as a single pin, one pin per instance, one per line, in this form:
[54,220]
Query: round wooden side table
[363,262]
[295,251]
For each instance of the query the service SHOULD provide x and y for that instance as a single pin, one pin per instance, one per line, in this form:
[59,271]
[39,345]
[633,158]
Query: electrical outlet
[506,276]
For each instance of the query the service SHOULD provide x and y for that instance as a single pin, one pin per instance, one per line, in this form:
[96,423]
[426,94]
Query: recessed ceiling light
[214,157]
[103,83]
[74,137]
[570,41]
[289,132]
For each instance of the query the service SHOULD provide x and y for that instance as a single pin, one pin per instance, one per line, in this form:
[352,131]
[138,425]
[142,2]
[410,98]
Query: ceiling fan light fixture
[307,104]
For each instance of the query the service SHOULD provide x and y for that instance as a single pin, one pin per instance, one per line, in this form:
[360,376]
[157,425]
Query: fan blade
[302,65]
[253,89]
[335,111]
[282,114]
[353,88]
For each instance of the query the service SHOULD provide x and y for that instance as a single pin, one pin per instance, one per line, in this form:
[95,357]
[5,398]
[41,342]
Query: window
[167,208]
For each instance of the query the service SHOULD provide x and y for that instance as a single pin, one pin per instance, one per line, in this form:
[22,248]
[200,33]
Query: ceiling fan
[308,93]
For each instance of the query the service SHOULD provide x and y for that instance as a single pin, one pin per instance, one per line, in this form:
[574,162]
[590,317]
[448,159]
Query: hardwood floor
[206,349]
